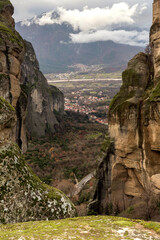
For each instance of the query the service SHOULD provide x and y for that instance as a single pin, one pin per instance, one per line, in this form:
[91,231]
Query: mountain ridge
[56,52]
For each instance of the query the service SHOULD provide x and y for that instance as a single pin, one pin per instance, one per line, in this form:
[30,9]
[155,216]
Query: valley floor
[64,159]
[91,228]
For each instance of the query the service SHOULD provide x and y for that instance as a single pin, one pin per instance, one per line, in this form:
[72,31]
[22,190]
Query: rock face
[129,169]
[23,197]
[155,38]
[11,56]
[43,100]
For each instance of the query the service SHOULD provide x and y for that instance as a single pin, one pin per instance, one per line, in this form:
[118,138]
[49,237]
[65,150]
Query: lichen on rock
[23,197]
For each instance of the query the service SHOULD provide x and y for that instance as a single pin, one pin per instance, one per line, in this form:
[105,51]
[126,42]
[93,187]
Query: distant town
[87,96]
[85,105]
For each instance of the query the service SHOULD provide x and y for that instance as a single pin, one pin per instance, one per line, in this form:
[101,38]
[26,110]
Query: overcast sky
[29,8]
[97,20]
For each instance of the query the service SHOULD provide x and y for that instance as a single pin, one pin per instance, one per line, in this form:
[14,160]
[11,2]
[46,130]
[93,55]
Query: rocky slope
[129,170]
[23,196]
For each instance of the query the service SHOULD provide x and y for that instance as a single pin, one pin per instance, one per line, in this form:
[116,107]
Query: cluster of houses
[83,105]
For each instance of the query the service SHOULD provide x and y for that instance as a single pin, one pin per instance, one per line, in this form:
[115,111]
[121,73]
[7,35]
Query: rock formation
[23,196]
[11,56]
[129,168]
[43,100]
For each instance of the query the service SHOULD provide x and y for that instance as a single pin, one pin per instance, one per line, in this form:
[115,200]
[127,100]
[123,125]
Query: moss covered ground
[92,227]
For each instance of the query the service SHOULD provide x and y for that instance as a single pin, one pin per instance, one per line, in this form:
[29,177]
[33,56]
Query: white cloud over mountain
[133,38]
[98,18]
[97,24]
[27,9]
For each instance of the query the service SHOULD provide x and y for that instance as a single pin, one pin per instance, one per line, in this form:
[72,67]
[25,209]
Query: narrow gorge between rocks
[78,148]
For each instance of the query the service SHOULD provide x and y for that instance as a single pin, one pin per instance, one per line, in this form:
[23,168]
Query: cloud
[143,7]
[27,9]
[98,24]
[133,38]
[97,18]
[93,18]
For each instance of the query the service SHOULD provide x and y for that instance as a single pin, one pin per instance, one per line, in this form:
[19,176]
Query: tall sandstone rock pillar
[11,56]
[156,10]
[129,166]
[155,39]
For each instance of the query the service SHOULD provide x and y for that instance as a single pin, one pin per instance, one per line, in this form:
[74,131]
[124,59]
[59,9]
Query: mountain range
[57,53]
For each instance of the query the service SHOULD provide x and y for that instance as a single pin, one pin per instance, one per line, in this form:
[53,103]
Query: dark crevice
[140,129]
[19,125]
[103,184]
[8,71]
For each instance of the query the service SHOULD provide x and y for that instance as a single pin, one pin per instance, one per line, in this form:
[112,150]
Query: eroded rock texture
[23,197]
[129,169]
[11,56]
[43,100]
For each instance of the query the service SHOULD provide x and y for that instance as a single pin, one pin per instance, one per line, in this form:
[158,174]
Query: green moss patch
[131,78]
[106,144]
[152,225]
[119,103]
[12,36]
[4,3]
[155,93]
[4,105]
[93,227]
[94,135]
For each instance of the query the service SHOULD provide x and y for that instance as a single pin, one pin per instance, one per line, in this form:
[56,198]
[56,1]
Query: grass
[91,227]
[94,135]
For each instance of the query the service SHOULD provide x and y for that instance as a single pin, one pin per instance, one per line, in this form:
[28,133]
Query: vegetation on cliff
[11,35]
[4,3]
[155,93]
[135,81]
[4,105]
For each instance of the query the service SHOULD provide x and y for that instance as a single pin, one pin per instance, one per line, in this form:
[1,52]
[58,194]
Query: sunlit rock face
[129,169]
[155,39]
[23,197]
